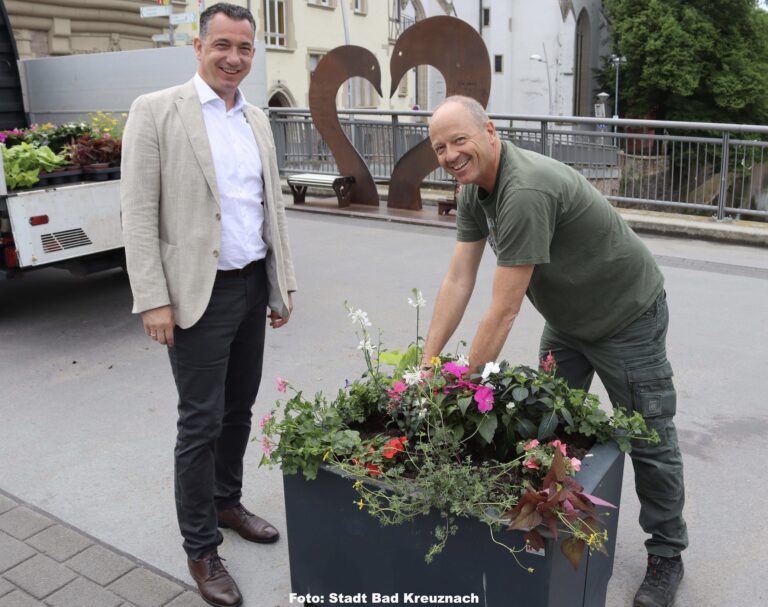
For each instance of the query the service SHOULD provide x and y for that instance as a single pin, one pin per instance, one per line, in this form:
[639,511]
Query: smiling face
[465,147]
[225,55]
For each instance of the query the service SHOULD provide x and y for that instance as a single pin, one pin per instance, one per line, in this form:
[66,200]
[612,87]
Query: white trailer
[76,227]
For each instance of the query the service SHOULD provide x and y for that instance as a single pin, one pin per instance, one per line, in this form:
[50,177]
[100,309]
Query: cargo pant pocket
[653,393]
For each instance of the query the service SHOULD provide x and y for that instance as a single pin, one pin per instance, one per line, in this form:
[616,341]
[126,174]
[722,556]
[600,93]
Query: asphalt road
[87,403]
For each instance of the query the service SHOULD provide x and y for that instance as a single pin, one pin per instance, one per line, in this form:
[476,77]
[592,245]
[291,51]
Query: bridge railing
[708,169]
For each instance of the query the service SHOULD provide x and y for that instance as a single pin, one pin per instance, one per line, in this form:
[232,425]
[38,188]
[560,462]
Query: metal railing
[689,167]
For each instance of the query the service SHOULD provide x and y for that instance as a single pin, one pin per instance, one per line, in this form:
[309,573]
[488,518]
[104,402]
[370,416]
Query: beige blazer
[171,212]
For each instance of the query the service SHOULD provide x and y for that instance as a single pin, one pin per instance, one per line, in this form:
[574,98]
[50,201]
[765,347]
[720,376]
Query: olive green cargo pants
[634,369]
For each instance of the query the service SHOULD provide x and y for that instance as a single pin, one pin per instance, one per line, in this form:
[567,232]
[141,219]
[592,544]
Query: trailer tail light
[38,220]
[11,260]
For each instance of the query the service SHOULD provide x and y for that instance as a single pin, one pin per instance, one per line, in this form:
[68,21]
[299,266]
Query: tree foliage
[700,60]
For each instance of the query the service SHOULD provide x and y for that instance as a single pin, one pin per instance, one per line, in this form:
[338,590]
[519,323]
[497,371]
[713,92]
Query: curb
[749,233]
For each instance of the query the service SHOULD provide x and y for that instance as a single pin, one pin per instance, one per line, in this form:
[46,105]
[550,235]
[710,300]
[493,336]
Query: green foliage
[22,164]
[64,134]
[686,60]
[310,432]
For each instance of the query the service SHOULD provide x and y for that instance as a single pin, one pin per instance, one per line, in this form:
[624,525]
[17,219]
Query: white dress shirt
[238,167]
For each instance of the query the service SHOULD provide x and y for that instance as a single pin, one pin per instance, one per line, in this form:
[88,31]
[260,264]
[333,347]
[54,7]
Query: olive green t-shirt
[593,275]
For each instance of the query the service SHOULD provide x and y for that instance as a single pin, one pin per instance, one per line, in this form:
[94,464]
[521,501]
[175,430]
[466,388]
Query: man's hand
[275,320]
[159,323]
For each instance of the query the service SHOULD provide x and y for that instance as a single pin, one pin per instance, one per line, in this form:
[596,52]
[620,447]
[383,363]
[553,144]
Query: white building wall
[517,30]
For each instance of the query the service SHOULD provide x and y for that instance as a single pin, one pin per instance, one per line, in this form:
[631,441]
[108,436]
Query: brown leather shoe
[249,526]
[215,584]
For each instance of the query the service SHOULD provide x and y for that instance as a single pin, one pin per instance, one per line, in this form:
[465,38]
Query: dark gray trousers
[634,369]
[217,367]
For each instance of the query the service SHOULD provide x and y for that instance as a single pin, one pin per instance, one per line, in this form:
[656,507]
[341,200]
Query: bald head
[471,106]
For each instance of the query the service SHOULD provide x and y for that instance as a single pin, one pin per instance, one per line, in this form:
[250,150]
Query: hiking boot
[661,581]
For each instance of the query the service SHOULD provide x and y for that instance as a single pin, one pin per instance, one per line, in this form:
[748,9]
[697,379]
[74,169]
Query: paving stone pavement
[46,563]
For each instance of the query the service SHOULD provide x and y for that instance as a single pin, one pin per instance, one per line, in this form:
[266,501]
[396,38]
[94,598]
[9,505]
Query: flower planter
[98,172]
[62,176]
[334,547]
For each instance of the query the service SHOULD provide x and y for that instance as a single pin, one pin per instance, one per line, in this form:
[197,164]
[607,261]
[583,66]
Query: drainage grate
[66,239]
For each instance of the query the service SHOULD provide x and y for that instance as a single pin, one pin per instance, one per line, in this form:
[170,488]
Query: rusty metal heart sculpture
[451,46]
[460,55]
[332,71]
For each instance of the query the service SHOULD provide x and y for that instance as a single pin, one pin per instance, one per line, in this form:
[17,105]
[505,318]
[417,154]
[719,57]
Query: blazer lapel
[191,114]
[261,140]
[266,176]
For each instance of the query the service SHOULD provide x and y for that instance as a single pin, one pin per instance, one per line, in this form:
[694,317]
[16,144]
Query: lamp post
[545,61]
[617,61]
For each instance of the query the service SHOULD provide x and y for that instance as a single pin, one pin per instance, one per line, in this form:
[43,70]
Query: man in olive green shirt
[558,240]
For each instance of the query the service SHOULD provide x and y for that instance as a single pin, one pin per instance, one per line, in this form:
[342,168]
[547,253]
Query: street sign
[180,18]
[178,37]
[146,12]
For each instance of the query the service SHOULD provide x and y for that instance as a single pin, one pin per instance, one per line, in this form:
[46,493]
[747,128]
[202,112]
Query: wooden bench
[341,185]
[446,205]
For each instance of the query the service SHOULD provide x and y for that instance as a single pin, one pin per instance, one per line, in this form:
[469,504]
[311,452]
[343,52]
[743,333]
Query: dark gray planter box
[336,548]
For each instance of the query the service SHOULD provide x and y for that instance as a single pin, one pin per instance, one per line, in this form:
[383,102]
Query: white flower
[510,406]
[462,361]
[412,376]
[423,412]
[418,302]
[359,316]
[490,367]
[365,344]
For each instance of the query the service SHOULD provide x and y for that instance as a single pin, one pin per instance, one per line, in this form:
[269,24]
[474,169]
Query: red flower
[373,469]
[394,446]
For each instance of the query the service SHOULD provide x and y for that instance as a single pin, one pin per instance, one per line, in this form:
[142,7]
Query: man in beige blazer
[208,261]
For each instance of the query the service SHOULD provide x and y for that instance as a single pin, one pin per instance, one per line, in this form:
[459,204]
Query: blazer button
[218,216]
[215,253]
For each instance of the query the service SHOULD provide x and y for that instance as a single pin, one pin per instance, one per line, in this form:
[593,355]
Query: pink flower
[548,363]
[265,418]
[559,445]
[532,464]
[576,464]
[397,389]
[531,444]
[484,399]
[281,384]
[454,369]
[266,446]
[463,383]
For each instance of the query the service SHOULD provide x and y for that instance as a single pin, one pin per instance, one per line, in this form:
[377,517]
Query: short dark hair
[238,13]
